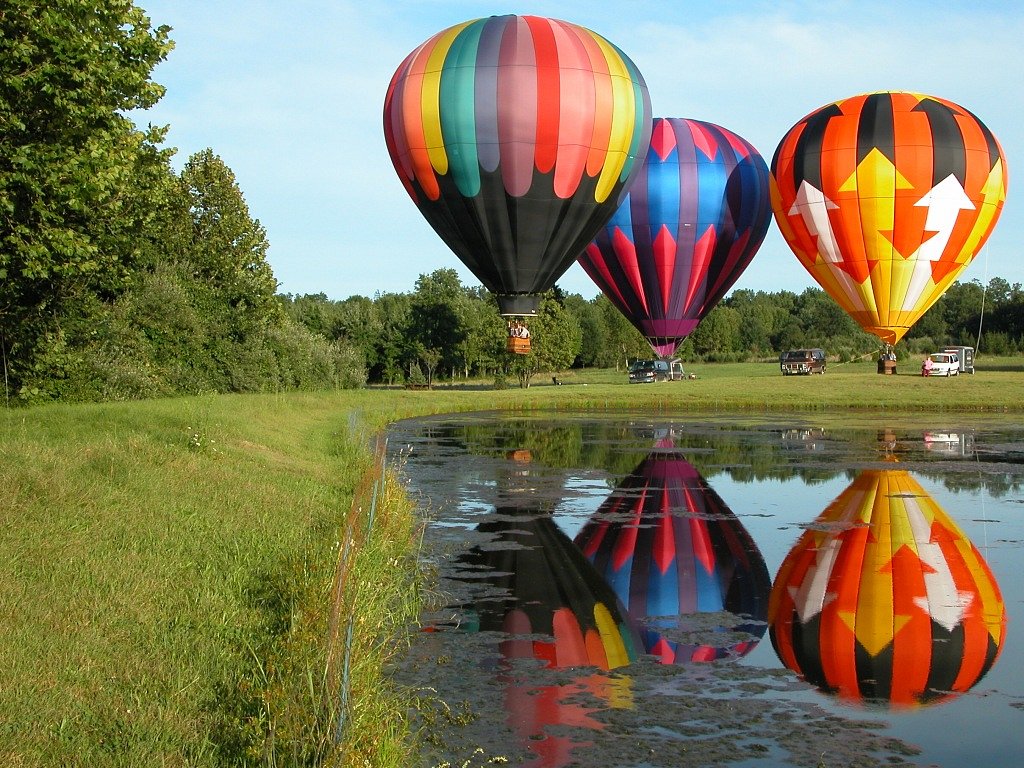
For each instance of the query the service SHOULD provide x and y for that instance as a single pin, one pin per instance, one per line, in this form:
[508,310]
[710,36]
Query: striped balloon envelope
[885,600]
[691,223]
[545,595]
[885,198]
[515,136]
[687,570]
[527,585]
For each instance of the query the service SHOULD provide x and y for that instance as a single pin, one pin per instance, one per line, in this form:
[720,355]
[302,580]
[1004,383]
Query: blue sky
[290,96]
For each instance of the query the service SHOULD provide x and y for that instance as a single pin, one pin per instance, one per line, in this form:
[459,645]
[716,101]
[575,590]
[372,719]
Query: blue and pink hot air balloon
[680,561]
[692,221]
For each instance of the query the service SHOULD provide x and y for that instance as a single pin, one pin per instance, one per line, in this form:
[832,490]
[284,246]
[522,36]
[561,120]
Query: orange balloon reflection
[885,600]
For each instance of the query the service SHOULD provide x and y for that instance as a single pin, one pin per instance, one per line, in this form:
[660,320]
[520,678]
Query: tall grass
[178,577]
[165,578]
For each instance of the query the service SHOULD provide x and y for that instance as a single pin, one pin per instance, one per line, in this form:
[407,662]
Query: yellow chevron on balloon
[872,622]
[875,181]
[882,290]
[901,531]
[899,282]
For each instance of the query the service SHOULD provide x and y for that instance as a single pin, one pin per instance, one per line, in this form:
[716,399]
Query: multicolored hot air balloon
[672,550]
[692,220]
[885,198]
[516,136]
[885,600]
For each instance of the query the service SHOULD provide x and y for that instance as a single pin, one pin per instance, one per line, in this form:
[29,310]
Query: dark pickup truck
[797,362]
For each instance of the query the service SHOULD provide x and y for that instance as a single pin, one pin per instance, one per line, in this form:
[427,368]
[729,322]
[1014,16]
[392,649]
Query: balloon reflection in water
[547,588]
[551,606]
[672,550]
[555,608]
[885,600]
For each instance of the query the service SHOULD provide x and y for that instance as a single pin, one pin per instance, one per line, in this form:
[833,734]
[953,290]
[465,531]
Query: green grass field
[169,586]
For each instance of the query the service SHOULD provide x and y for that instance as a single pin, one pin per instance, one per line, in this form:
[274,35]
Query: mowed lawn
[166,567]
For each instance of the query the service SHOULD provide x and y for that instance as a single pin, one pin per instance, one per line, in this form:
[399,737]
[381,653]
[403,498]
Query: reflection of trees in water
[616,446]
[745,454]
[996,484]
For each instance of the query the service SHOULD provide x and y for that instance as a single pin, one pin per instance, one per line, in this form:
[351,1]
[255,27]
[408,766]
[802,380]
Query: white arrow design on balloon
[812,205]
[943,602]
[944,202]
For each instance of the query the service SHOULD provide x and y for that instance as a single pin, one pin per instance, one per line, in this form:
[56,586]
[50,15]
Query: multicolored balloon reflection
[885,600]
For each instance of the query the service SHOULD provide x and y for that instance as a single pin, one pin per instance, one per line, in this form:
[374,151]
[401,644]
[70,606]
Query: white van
[941,364]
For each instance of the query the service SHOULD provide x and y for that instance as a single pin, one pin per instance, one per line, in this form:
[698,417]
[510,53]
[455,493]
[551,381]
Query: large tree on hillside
[70,158]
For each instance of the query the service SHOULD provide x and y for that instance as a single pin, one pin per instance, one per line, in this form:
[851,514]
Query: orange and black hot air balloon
[885,600]
[885,198]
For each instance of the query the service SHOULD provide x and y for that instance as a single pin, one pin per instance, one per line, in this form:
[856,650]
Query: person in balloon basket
[926,367]
[519,331]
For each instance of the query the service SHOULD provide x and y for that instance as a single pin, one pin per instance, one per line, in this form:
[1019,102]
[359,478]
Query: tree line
[122,278]
[445,330]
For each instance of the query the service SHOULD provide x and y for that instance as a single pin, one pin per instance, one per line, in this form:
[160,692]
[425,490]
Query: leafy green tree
[356,320]
[483,348]
[227,249]
[70,162]
[717,336]
[758,319]
[393,352]
[314,311]
[592,327]
[437,316]
[623,342]
[822,318]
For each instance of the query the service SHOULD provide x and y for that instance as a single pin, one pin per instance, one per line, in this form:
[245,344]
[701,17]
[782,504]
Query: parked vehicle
[797,362]
[941,364]
[966,356]
[649,371]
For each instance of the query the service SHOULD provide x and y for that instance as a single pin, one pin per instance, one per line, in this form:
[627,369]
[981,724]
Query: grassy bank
[165,578]
[169,569]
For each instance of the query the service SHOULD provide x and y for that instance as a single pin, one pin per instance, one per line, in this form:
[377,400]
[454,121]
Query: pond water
[729,590]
